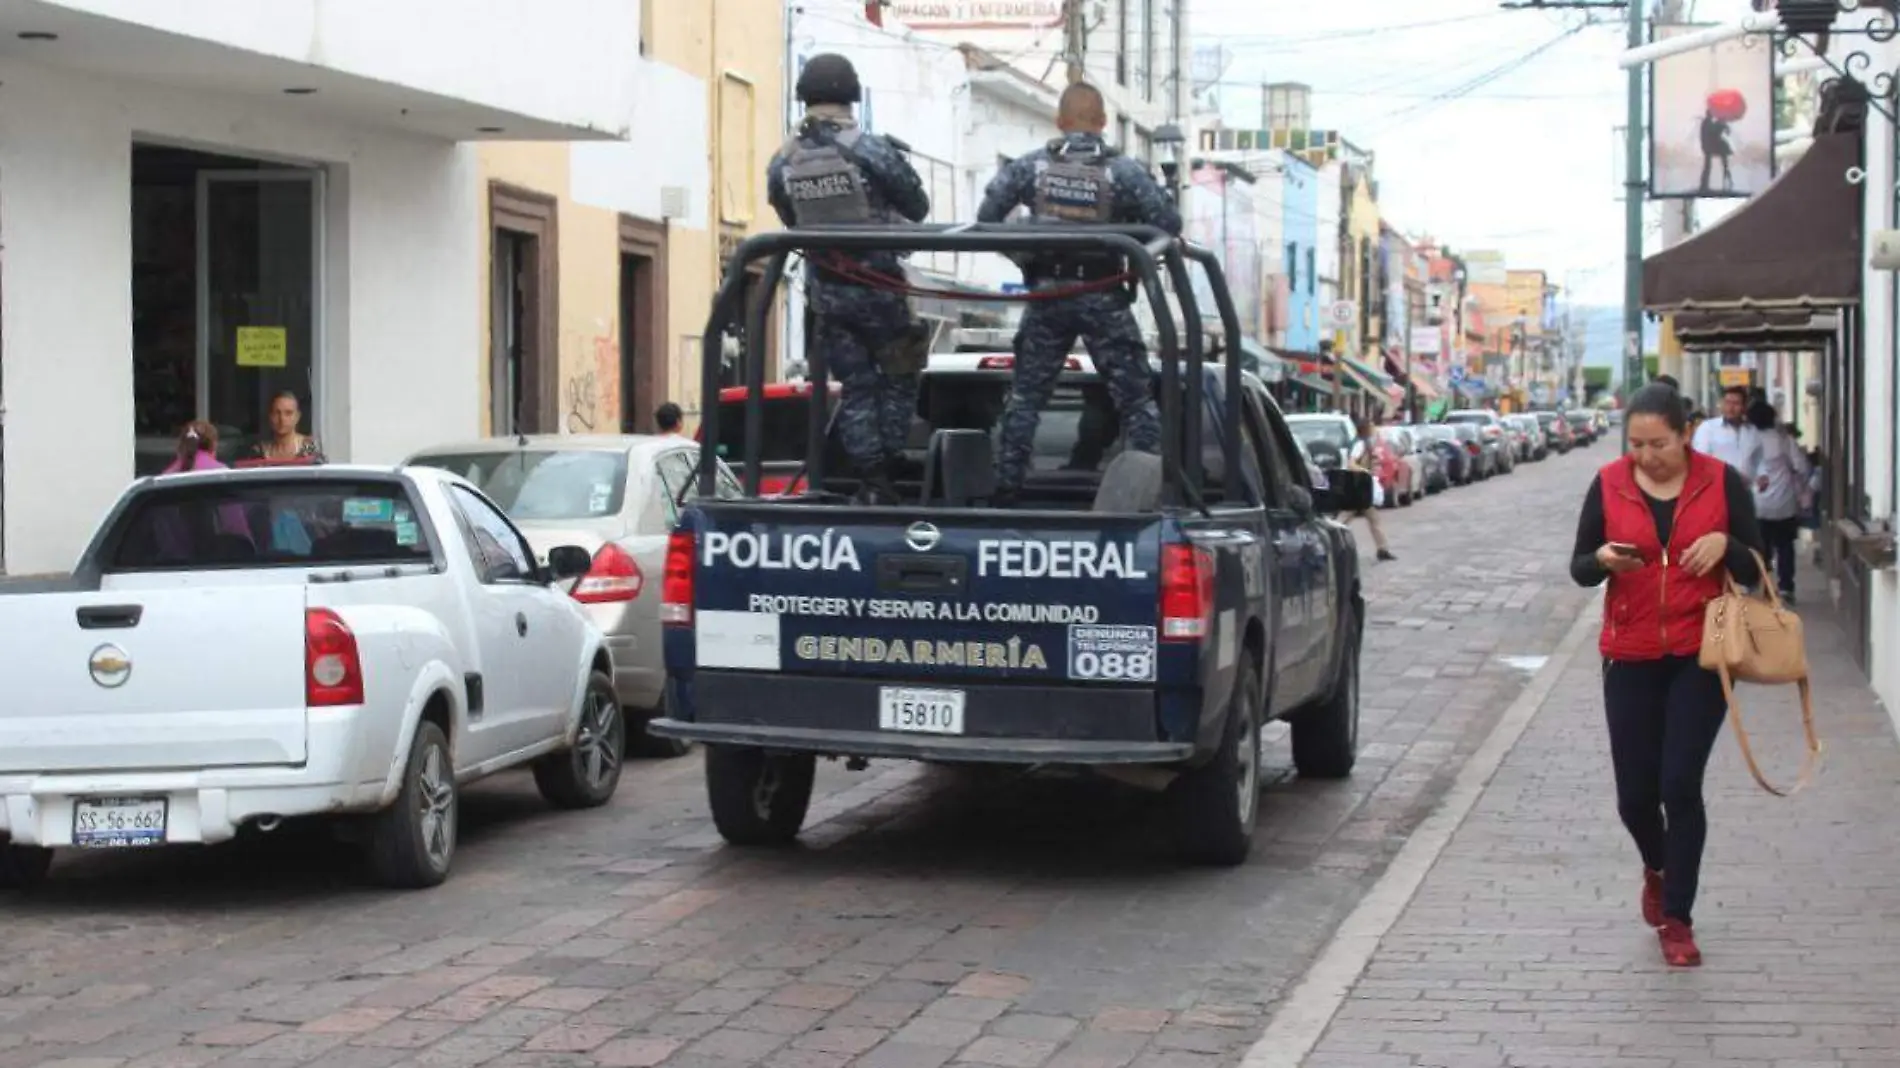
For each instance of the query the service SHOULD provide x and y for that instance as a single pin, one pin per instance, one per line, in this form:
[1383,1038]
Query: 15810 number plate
[903,708]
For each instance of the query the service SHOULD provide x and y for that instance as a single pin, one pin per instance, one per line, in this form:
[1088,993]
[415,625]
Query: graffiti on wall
[592,388]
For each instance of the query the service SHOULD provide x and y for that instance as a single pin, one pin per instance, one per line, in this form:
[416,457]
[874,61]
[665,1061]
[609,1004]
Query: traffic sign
[1342,312]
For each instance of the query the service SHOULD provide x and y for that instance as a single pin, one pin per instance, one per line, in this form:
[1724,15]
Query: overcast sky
[1492,129]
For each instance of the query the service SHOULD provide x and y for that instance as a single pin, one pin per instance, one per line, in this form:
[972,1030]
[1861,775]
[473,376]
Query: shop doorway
[642,322]
[524,261]
[225,254]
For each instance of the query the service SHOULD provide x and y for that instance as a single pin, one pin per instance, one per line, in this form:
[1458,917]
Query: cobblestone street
[929,917]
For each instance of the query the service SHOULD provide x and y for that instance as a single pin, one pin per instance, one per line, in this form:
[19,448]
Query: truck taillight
[1187,592]
[676,585]
[332,671]
[615,576]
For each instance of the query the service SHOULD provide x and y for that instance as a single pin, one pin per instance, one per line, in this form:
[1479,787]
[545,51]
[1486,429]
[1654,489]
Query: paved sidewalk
[1523,946]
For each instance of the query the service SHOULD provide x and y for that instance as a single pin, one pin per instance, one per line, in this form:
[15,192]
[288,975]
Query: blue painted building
[1299,230]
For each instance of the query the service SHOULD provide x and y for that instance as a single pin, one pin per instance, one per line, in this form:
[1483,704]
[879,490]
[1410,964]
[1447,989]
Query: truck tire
[758,798]
[23,867]
[587,775]
[1217,805]
[1326,735]
[412,842]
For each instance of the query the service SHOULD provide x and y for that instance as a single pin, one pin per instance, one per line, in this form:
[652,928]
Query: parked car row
[1413,461]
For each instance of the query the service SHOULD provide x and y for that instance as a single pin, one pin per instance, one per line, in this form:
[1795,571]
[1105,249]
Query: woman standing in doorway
[285,442]
[1663,525]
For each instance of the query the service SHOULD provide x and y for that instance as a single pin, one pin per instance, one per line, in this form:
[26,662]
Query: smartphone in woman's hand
[1625,549]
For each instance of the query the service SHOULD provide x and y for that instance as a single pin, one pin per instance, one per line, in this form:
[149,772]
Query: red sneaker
[1678,944]
[1652,898]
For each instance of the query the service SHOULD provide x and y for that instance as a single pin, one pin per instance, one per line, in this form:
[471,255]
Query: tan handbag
[1749,639]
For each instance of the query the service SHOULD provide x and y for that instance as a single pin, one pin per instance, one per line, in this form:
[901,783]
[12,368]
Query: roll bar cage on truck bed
[1146,635]
[1148,251]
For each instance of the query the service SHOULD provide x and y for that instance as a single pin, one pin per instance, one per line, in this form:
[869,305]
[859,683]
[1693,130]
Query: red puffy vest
[1657,610]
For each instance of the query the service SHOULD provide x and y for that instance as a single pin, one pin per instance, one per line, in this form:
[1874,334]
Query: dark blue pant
[1780,534]
[1664,717]
[874,409]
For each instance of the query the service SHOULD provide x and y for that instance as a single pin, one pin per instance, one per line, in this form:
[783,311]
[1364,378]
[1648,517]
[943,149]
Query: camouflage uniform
[832,173]
[1077,179]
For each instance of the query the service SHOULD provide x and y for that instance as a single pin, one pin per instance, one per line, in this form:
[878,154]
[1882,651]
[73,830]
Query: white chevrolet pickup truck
[238,648]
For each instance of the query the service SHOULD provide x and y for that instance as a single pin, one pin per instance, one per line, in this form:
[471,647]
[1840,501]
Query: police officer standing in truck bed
[1076,178]
[832,173]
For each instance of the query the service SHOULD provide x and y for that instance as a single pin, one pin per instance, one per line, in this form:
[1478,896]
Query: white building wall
[1331,178]
[1881,396]
[916,89]
[1035,47]
[497,52]
[403,271]
[1001,125]
[631,176]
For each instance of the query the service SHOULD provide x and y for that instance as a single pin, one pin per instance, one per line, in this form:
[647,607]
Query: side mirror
[1348,491]
[568,561]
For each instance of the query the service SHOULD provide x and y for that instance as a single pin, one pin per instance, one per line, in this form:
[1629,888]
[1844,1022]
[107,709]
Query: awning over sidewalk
[1361,377]
[1797,244]
[1752,330]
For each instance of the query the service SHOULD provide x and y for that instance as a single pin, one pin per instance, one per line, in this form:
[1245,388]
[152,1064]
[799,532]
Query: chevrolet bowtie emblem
[110,666]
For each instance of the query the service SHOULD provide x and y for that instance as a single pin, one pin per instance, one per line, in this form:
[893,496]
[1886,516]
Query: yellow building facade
[592,317]
[1362,225]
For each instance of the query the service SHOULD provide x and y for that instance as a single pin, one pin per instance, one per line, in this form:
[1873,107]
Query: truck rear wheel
[1217,805]
[412,842]
[758,798]
[23,867]
[587,775]
[1326,736]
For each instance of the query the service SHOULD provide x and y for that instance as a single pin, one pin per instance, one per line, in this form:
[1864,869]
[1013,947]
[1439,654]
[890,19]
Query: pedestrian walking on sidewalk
[1364,457]
[1662,525]
[1779,500]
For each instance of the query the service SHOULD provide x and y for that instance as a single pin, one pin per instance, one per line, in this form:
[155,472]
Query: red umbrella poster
[1728,105]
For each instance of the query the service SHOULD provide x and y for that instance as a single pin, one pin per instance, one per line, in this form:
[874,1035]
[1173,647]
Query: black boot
[876,488]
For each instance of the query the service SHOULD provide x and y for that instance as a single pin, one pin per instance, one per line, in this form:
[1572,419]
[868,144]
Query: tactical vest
[1077,189]
[825,184]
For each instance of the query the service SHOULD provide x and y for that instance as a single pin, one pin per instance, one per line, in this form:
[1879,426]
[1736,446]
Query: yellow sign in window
[262,346]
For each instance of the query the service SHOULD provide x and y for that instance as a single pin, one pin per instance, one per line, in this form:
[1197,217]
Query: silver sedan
[618,497]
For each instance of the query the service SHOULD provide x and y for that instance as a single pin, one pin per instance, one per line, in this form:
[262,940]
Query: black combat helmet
[829,79]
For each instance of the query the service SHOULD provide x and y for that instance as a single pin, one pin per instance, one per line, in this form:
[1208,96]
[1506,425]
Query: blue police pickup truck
[1136,615]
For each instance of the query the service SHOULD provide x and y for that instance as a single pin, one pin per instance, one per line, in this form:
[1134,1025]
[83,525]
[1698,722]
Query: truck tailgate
[980,597]
[146,679]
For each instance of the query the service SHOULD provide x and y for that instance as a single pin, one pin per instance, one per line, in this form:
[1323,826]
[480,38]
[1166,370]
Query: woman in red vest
[1662,525]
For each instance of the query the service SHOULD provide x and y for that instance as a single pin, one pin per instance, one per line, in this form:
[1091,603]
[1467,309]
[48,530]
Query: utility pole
[1075,40]
[1635,186]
